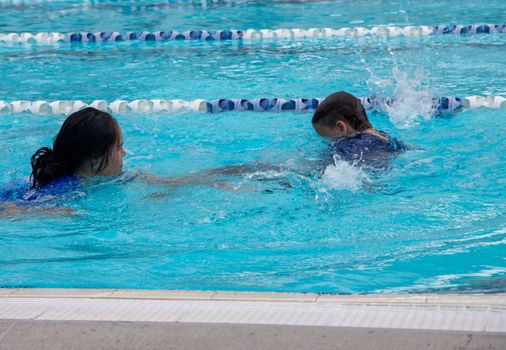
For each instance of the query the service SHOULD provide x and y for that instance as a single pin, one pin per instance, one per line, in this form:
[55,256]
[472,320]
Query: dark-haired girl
[89,143]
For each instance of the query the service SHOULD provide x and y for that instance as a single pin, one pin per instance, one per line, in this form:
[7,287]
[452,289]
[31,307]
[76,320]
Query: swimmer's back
[370,148]
[23,192]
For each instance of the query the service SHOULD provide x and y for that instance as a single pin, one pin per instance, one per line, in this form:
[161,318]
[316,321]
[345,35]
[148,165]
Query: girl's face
[117,152]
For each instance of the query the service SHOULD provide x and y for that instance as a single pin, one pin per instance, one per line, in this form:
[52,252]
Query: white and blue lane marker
[251,34]
[441,106]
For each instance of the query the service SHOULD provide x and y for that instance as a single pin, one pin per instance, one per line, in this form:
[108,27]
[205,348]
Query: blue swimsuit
[365,147]
[20,193]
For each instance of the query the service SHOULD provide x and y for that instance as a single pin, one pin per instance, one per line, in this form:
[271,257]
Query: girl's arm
[10,209]
[208,177]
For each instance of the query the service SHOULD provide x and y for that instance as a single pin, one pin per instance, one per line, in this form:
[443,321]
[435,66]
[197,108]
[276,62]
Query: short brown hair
[342,106]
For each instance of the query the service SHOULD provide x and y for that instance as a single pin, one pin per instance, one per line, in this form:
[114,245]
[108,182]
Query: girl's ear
[341,126]
[94,162]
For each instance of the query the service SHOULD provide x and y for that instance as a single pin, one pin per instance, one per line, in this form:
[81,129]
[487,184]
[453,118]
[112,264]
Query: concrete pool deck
[139,319]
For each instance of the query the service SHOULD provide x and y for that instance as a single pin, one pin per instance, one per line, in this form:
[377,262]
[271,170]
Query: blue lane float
[153,36]
[441,107]
[251,34]
[262,104]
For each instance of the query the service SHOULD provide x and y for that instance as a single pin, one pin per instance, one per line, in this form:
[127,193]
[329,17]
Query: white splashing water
[411,101]
[342,176]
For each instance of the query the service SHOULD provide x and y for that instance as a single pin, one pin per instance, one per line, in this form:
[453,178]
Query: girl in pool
[89,143]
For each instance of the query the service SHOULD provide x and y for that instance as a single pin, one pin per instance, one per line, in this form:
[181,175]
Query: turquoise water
[435,220]
[99,15]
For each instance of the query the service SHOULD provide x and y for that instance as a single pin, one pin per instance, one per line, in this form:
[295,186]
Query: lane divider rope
[441,105]
[138,5]
[250,34]
[169,2]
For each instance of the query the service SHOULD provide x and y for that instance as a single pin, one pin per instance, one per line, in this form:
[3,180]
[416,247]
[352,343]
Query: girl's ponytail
[45,168]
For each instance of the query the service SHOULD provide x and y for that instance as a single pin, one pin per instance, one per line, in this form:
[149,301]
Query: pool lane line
[446,105]
[137,6]
[176,3]
[251,34]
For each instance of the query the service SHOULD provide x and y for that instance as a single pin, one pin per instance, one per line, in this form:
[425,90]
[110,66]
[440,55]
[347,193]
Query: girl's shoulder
[23,191]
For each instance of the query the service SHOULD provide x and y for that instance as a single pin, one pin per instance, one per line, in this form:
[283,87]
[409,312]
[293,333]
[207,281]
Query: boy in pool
[342,118]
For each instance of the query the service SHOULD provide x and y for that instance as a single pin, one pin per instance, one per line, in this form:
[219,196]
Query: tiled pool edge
[496,299]
[465,313]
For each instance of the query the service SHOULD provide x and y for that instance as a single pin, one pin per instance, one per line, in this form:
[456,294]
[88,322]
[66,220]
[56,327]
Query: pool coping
[485,313]
[481,299]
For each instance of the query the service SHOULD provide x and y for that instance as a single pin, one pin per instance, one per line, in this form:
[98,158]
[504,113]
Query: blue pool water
[434,220]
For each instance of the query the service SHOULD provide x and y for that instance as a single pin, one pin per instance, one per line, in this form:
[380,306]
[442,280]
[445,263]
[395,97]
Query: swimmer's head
[89,143]
[340,114]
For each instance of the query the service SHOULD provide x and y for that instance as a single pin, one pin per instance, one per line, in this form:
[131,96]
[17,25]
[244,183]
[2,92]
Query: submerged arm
[209,177]
[10,209]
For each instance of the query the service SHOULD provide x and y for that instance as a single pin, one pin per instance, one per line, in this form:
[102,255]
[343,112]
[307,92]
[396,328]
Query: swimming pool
[433,221]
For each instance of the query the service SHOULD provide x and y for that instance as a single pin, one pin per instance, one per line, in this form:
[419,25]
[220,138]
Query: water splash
[405,96]
[411,101]
[342,176]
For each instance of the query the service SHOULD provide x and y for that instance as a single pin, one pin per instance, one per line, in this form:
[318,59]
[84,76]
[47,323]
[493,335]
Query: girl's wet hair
[342,106]
[86,134]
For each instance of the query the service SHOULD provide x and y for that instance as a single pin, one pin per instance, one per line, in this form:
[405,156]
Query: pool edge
[455,312]
[478,299]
